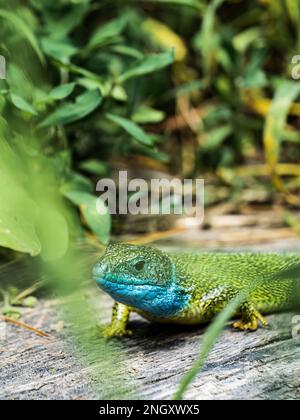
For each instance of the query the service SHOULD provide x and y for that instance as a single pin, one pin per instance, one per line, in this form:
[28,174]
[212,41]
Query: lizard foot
[116,331]
[250,321]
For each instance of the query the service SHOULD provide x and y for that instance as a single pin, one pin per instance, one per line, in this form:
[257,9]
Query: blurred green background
[189,88]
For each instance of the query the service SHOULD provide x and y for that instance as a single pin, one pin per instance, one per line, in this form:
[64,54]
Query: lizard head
[141,277]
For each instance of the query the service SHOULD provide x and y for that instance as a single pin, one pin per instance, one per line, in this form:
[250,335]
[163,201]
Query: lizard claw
[113,331]
[251,322]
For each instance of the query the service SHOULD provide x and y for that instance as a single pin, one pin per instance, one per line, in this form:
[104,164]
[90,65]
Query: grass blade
[22,26]
[275,122]
[214,330]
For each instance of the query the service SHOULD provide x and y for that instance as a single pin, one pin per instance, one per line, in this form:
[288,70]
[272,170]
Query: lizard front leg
[250,318]
[217,299]
[120,318]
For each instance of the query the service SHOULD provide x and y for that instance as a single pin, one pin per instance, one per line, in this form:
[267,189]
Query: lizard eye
[139,266]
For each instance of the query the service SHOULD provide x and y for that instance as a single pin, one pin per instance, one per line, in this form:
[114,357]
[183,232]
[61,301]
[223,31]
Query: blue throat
[160,301]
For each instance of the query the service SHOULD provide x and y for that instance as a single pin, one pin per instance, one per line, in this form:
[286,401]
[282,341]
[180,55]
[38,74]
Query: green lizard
[190,288]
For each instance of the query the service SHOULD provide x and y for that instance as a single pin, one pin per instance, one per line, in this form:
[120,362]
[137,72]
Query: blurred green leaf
[18,232]
[53,232]
[254,75]
[127,51]
[147,115]
[244,39]
[29,302]
[209,38]
[216,137]
[60,50]
[293,8]
[149,64]
[106,32]
[196,4]
[94,166]
[18,212]
[77,182]
[131,128]
[287,92]
[99,222]
[23,105]
[119,93]
[165,38]
[255,79]
[65,20]
[62,91]
[184,89]
[153,153]
[21,26]
[70,112]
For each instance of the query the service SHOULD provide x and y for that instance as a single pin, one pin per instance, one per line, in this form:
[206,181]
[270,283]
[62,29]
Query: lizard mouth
[122,280]
[153,299]
[143,296]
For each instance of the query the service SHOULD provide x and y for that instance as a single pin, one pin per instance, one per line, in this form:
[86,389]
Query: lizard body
[191,288]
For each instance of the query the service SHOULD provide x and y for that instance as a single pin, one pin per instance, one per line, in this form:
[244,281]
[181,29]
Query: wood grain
[260,365]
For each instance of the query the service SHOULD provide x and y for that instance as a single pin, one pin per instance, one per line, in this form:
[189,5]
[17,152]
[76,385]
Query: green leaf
[62,91]
[149,64]
[184,89]
[152,153]
[53,231]
[94,166]
[257,79]
[119,93]
[127,51]
[209,38]
[18,232]
[32,219]
[131,128]
[195,4]
[17,211]
[29,302]
[244,39]
[293,9]
[23,105]
[276,119]
[65,21]
[147,115]
[84,105]
[60,50]
[254,76]
[215,137]
[77,182]
[22,27]
[106,32]
[100,223]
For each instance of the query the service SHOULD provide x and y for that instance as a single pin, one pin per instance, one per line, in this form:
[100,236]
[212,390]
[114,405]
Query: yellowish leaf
[165,37]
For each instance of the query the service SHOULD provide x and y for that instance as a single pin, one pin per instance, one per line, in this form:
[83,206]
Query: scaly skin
[191,288]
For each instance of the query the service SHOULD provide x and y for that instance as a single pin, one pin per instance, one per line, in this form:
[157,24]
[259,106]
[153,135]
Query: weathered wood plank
[260,365]
[264,364]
